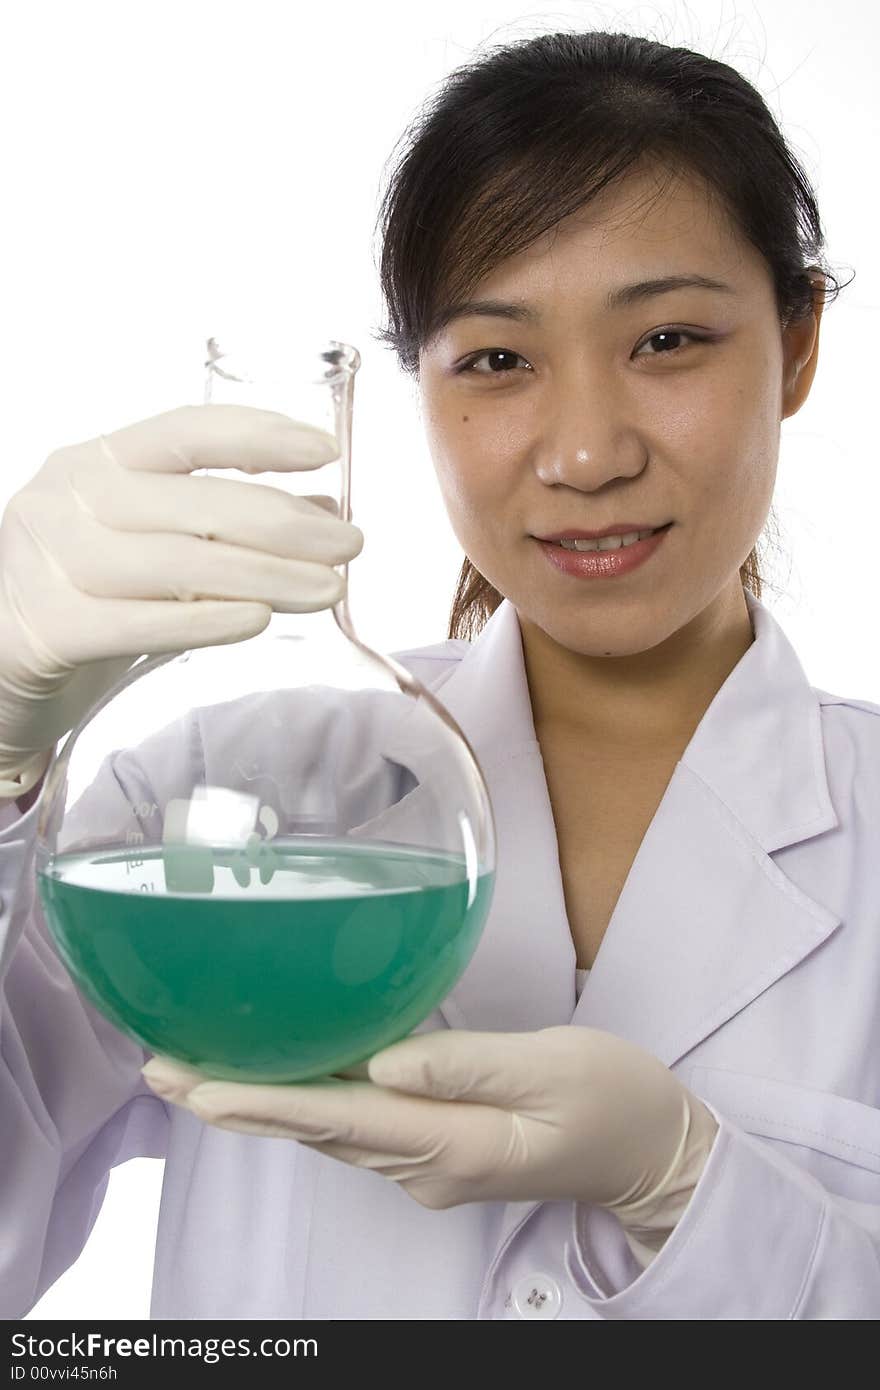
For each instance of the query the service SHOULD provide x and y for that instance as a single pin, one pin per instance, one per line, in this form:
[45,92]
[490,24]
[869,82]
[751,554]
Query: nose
[588,435]
[587,468]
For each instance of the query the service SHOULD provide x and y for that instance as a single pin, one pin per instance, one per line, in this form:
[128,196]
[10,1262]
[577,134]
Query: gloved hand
[112,552]
[454,1116]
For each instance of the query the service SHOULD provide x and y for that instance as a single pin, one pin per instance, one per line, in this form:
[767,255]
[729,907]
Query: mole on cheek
[464,419]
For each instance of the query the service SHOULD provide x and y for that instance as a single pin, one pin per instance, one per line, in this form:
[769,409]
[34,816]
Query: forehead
[650,219]
[648,225]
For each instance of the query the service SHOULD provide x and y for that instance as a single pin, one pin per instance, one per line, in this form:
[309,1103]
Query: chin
[597,629]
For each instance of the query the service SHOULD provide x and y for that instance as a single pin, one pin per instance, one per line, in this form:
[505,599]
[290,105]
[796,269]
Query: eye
[663,334]
[470,362]
[667,333]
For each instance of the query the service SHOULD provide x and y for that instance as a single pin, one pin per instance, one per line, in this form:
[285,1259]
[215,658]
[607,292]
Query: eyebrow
[620,298]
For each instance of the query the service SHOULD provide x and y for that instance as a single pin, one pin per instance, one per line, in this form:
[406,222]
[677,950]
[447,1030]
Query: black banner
[129,1353]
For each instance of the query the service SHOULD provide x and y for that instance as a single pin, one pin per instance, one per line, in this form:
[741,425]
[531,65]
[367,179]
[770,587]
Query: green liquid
[327,955]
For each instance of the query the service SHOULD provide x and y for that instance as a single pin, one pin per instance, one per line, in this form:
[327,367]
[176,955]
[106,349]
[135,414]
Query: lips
[600,564]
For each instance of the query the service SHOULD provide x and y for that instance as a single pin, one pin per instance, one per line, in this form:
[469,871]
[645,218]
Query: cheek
[470,448]
[471,481]
[732,450]
[478,508]
[754,426]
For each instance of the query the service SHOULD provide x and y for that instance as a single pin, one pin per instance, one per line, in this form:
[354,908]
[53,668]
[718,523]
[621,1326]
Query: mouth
[605,559]
[617,540]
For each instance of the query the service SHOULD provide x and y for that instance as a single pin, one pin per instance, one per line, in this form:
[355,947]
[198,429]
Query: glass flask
[269,858]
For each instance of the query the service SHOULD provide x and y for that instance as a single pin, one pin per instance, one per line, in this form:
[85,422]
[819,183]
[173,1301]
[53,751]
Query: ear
[800,346]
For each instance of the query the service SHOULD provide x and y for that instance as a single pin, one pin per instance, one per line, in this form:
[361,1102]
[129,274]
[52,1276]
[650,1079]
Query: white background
[172,166]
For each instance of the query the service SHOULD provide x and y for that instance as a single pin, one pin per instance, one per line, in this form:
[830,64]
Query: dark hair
[519,139]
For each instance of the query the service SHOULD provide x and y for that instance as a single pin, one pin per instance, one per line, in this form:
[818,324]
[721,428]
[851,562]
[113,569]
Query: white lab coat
[744,952]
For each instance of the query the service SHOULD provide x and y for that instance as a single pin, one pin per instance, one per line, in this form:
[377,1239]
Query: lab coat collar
[706,920]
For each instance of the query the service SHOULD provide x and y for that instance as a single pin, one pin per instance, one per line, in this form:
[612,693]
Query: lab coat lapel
[706,920]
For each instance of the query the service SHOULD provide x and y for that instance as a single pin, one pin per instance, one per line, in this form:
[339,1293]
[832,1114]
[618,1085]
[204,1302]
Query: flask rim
[257,356]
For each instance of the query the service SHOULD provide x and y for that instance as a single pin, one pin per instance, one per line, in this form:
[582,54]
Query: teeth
[607,542]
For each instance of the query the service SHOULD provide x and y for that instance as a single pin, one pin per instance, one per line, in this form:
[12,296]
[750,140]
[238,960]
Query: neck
[652,700]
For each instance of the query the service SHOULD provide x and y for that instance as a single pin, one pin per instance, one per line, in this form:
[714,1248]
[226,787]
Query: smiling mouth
[617,541]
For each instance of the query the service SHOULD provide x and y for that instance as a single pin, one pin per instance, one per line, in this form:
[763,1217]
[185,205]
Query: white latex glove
[112,552]
[455,1116]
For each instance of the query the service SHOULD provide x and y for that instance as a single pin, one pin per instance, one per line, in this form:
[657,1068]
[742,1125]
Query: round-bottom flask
[271,858]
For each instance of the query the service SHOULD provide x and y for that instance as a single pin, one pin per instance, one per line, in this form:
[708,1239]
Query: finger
[349,1112]
[169,1077]
[394,1166]
[109,629]
[220,435]
[217,509]
[187,569]
[273,1128]
[161,1067]
[457,1064]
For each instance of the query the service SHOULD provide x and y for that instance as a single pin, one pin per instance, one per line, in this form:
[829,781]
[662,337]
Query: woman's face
[584,420]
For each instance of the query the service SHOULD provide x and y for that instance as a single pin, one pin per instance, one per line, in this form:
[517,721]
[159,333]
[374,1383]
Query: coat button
[537,1296]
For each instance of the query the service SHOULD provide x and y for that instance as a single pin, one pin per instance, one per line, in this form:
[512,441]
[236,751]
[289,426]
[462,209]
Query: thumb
[455,1064]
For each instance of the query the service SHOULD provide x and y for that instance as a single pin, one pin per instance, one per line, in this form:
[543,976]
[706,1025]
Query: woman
[692,1133]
